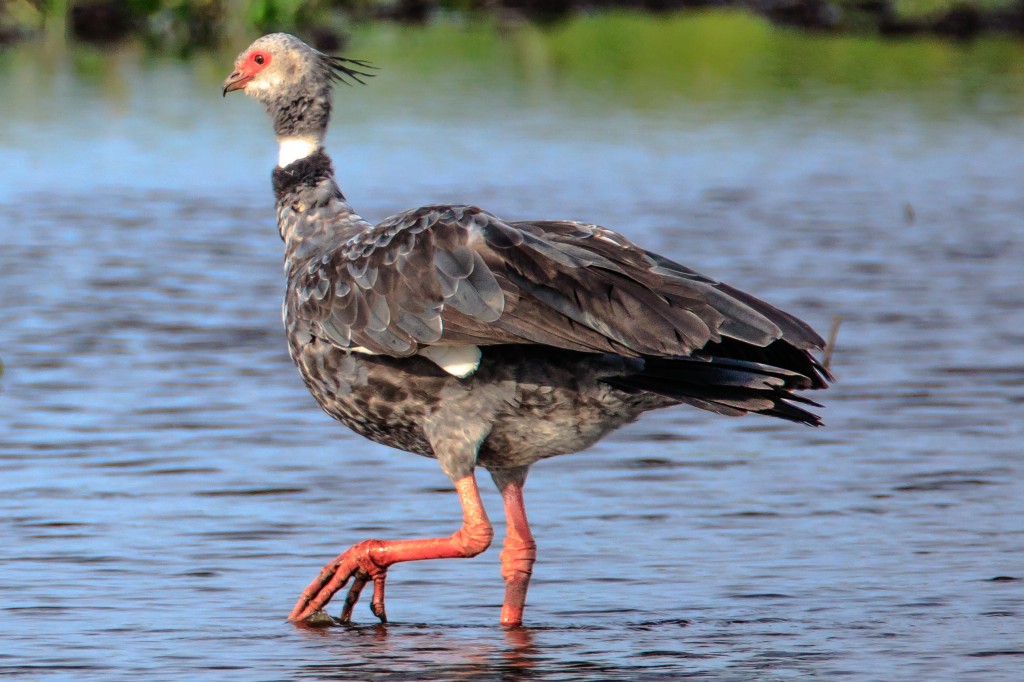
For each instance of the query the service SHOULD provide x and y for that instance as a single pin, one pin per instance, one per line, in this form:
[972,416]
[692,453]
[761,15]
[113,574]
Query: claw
[352,597]
[377,604]
[355,563]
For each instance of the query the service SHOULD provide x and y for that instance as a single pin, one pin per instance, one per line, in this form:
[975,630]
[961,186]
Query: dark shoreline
[207,24]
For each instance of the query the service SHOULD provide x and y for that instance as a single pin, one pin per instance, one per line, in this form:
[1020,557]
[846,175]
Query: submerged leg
[370,559]
[519,551]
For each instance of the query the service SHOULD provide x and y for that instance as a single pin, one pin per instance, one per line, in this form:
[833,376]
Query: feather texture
[457,275]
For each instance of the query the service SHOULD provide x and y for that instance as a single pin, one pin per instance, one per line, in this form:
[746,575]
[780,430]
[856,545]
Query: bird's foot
[370,559]
[356,563]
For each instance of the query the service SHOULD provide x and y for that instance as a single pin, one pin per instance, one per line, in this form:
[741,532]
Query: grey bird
[450,333]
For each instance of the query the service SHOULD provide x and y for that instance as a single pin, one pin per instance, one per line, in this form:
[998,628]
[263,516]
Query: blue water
[168,486]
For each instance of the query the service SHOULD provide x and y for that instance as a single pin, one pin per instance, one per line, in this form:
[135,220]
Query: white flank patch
[361,349]
[295,148]
[459,361]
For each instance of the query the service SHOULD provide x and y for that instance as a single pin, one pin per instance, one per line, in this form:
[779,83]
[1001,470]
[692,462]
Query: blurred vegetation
[185,24]
[692,68]
[711,56]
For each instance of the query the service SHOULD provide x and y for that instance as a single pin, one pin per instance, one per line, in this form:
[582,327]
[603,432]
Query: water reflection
[405,651]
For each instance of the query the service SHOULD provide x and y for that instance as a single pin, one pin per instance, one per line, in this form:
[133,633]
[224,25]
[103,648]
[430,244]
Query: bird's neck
[295,148]
[313,215]
[300,121]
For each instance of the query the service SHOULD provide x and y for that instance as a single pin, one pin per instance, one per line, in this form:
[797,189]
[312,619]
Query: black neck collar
[302,173]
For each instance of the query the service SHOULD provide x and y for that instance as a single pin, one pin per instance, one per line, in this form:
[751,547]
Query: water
[168,486]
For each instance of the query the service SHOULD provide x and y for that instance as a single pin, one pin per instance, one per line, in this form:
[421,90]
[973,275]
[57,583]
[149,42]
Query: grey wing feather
[459,275]
[390,289]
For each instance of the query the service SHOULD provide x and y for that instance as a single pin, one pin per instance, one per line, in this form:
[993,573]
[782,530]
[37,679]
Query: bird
[483,343]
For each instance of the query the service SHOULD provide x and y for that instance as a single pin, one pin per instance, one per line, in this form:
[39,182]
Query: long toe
[358,583]
[377,605]
[333,577]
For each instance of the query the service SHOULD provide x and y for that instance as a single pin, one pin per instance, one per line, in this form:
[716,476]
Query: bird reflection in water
[409,651]
[521,653]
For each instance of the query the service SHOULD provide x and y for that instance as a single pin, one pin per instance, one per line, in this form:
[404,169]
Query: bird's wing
[457,275]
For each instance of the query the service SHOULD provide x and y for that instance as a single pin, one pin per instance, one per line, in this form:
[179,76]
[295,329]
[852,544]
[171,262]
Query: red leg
[518,554]
[370,559]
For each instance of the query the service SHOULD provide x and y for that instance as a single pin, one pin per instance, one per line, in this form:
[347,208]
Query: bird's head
[294,83]
[279,63]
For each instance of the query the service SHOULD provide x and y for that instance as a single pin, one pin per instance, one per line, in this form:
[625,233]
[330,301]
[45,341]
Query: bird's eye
[259,59]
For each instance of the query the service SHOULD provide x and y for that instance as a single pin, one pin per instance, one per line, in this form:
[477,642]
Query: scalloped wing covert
[458,275]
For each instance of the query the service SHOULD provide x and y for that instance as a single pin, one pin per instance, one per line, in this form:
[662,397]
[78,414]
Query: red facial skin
[254,62]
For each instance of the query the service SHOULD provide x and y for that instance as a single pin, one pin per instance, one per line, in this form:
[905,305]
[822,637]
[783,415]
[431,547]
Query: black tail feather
[727,386]
[780,354]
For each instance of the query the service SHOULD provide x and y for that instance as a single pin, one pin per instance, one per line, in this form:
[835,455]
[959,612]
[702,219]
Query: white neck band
[295,148]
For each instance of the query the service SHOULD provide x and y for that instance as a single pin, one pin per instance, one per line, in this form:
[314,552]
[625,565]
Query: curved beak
[236,81]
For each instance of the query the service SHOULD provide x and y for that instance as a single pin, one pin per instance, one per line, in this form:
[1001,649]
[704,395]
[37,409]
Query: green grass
[703,54]
[931,9]
[709,63]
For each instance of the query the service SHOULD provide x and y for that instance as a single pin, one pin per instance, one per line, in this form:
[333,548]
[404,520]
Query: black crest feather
[340,69]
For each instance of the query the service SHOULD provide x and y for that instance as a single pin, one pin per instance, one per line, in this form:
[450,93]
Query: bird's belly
[555,422]
[358,392]
[529,406]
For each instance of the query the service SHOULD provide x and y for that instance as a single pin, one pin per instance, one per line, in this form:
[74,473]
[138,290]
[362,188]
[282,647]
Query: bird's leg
[370,559]
[519,551]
